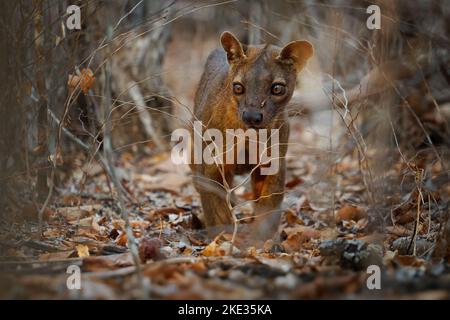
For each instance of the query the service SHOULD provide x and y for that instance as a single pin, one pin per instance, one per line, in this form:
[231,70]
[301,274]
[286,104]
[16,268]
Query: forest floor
[324,253]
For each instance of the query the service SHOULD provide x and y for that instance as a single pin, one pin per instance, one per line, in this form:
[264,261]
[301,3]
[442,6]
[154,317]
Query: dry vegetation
[86,177]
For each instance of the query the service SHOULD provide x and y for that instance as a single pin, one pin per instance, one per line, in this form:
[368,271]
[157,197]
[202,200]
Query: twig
[416,225]
[80,143]
[47,200]
[109,155]
[76,261]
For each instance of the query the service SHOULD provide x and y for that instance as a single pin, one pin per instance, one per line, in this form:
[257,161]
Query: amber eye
[278,89]
[238,88]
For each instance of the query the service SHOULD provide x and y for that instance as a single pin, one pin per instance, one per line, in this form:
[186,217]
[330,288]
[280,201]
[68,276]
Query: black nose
[252,117]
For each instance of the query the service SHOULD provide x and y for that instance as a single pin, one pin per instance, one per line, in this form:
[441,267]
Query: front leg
[268,193]
[213,195]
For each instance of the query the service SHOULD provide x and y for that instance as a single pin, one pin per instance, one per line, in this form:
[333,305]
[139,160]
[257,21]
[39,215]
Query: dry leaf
[297,236]
[86,222]
[211,249]
[82,250]
[292,218]
[79,212]
[110,262]
[293,183]
[399,231]
[407,260]
[122,240]
[73,82]
[142,224]
[293,243]
[85,80]
[251,252]
[268,245]
[306,232]
[150,249]
[350,213]
[71,200]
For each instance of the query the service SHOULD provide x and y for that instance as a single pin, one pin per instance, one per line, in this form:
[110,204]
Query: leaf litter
[323,250]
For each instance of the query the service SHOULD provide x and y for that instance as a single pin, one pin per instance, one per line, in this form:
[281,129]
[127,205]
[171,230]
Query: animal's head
[263,78]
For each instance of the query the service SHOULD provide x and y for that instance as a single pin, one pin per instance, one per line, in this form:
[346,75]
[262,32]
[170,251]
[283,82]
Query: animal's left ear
[296,53]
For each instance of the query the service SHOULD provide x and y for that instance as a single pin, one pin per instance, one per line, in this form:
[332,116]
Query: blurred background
[87,116]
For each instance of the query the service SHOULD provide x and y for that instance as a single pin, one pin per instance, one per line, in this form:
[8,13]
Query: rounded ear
[232,47]
[296,53]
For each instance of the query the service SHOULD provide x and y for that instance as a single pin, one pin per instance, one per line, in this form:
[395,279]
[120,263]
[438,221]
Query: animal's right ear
[296,53]
[232,47]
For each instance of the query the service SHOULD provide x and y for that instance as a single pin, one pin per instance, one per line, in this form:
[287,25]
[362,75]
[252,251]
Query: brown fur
[256,67]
